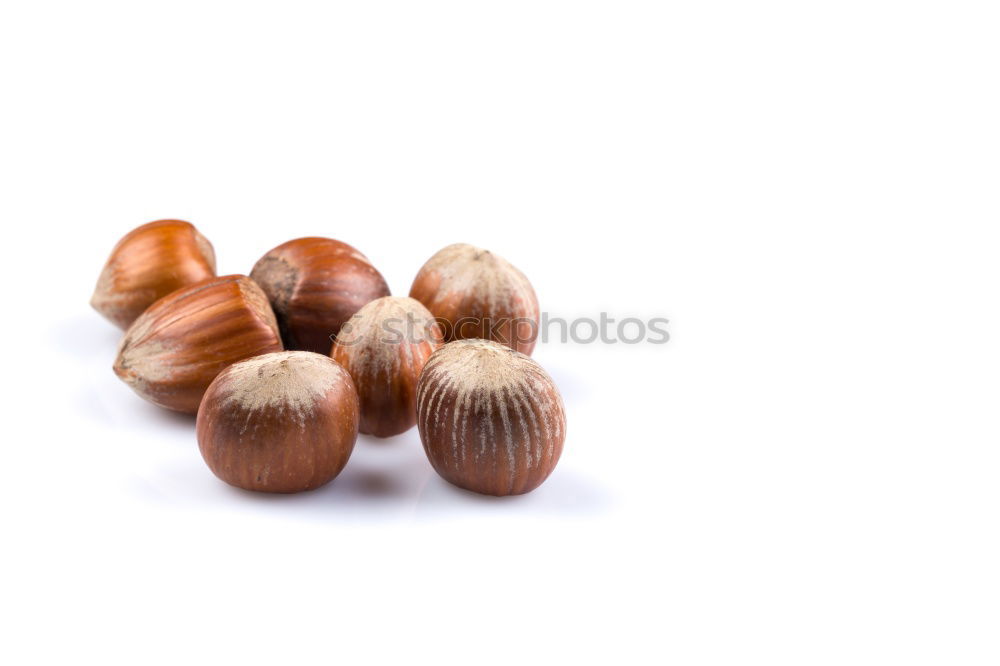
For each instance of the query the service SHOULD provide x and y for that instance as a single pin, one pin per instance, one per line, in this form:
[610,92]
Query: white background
[806,474]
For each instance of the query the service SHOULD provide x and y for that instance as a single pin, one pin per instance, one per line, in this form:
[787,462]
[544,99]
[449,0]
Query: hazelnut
[174,350]
[147,264]
[384,346]
[315,285]
[490,418]
[476,294]
[281,423]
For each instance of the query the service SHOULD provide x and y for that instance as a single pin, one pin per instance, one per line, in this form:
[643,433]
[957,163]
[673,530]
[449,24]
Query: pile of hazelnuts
[285,366]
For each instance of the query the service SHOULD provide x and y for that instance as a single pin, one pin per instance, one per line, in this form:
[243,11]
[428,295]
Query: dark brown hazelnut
[280,423]
[315,285]
[490,418]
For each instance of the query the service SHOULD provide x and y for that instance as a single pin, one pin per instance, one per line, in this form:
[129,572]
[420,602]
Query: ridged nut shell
[147,264]
[176,348]
[315,285]
[281,423]
[490,418]
[384,346]
[477,294]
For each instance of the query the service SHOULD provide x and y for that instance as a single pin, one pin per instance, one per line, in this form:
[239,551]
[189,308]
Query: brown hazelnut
[490,418]
[384,346]
[280,423]
[315,285]
[477,294]
[174,350]
[147,264]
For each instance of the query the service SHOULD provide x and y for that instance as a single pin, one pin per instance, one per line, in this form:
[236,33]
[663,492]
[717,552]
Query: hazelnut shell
[384,346]
[282,422]
[147,264]
[491,419]
[314,285]
[174,350]
[477,294]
